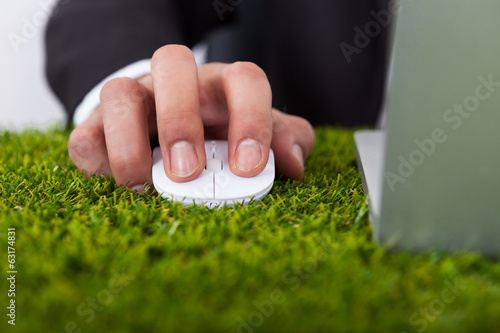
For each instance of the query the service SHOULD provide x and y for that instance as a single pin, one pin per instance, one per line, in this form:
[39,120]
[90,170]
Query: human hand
[181,104]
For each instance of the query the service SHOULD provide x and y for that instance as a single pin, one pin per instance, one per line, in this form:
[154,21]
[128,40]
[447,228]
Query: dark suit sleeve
[87,40]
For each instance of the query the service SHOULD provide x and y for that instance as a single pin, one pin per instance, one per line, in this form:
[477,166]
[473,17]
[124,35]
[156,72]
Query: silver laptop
[433,174]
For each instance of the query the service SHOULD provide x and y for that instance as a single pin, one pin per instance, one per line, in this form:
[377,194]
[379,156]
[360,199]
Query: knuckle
[182,120]
[171,50]
[83,141]
[243,68]
[310,129]
[126,168]
[121,88]
[308,133]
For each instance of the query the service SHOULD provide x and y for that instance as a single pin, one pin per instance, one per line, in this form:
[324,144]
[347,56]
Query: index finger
[180,127]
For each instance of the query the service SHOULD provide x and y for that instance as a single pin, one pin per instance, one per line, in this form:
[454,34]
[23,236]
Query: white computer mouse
[216,185]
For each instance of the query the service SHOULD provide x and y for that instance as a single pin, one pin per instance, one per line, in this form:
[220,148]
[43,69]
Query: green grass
[301,261]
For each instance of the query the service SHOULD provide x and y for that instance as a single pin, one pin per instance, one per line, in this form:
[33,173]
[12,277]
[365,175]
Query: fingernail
[248,155]
[298,153]
[138,188]
[183,159]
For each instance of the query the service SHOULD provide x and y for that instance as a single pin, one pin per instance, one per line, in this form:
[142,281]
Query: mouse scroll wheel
[214,164]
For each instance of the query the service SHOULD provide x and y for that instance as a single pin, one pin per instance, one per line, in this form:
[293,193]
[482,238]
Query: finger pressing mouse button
[214,164]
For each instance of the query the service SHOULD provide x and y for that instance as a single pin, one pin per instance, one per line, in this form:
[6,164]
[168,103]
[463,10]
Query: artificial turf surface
[95,257]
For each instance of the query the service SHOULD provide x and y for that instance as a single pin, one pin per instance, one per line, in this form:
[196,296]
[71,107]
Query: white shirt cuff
[91,101]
